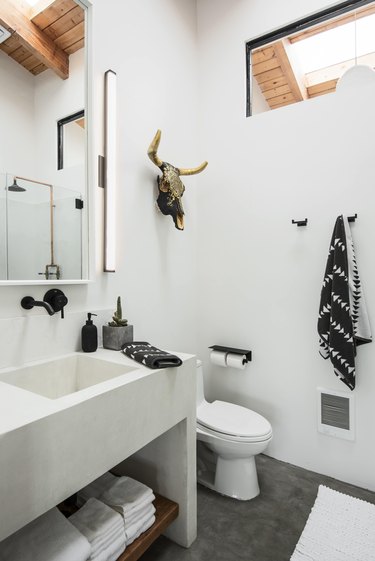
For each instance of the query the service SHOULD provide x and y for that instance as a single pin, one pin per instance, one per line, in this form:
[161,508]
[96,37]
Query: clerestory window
[306,59]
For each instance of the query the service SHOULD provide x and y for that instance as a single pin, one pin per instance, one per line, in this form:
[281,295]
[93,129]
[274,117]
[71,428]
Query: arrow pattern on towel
[343,321]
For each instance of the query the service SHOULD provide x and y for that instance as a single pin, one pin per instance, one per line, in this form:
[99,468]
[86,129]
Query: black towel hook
[300,222]
[352,218]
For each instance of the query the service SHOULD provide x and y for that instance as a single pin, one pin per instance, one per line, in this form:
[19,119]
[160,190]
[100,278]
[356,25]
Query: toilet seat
[233,422]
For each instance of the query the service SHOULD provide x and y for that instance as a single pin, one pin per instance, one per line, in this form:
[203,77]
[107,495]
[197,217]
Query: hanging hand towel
[150,356]
[343,321]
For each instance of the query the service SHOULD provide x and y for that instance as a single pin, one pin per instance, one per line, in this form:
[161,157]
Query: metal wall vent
[4,34]
[336,413]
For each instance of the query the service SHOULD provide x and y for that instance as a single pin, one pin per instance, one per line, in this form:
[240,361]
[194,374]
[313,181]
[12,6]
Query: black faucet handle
[57,299]
[27,302]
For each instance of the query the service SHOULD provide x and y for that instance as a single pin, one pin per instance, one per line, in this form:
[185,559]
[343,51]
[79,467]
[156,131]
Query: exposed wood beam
[289,68]
[323,88]
[13,18]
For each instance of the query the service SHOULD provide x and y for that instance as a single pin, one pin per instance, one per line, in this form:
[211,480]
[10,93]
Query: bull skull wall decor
[170,185]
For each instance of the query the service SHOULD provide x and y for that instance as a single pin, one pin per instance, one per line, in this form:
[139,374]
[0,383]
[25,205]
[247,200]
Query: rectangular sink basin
[64,376]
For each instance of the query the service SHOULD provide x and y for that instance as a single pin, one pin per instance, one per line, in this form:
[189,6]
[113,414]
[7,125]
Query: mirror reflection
[43,204]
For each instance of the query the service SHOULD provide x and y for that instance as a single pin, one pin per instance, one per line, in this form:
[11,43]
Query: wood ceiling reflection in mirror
[43,36]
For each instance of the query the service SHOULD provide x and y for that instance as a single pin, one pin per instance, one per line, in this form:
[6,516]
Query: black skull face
[171,190]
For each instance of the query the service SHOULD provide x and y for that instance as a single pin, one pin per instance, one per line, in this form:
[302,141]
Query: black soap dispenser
[89,335]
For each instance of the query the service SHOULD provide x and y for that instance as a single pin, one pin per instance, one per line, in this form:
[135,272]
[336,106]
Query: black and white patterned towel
[150,356]
[343,322]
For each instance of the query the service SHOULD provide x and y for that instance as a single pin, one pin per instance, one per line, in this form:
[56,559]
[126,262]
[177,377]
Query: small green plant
[117,316]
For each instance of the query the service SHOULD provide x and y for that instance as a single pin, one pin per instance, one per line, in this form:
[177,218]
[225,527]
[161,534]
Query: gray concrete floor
[264,529]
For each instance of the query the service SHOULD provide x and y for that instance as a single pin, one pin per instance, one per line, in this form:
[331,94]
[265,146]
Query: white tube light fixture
[110,177]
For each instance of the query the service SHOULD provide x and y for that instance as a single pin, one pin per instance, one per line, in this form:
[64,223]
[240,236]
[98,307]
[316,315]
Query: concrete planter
[115,337]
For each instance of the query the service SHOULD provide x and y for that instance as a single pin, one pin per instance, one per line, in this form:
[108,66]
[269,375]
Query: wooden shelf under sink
[166,513]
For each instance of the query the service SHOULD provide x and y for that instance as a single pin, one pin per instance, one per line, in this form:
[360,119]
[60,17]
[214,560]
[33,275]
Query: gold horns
[152,154]
[153,148]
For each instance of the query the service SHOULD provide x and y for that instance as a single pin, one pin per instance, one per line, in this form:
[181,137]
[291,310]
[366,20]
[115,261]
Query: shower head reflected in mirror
[15,188]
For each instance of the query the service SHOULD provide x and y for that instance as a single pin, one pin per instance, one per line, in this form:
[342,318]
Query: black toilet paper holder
[225,349]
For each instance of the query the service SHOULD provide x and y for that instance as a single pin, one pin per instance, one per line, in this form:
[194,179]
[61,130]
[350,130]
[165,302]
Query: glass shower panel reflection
[42,232]
[68,232]
[29,240]
[3,227]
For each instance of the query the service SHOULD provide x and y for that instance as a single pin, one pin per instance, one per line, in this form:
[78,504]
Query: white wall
[259,275]
[152,46]
[54,100]
[16,118]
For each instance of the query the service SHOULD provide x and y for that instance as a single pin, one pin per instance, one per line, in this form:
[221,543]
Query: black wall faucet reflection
[54,301]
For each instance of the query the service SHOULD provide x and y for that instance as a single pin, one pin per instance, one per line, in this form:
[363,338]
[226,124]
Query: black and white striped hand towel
[343,322]
[150,356]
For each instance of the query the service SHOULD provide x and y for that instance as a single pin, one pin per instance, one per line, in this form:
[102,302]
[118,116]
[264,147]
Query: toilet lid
[231,419]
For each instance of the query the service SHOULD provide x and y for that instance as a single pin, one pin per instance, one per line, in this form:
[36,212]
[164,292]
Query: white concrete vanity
[53,445]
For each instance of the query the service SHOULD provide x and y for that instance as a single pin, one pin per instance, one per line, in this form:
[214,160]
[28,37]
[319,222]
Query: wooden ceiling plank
[20,54]
[33,39]
[358,14]
[323,86]
[47,11]
[269,75]
[38,69]
[75,47]
[278,105]
[275,92]
[281,99]
[30,62]
[275,83]
[72,36]
[10,45]
[290,69]
[261,55]
[317,94]
[265,66]
[65,23]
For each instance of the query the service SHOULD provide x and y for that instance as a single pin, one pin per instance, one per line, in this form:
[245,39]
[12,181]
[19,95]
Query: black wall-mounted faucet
[28,303]
[54,301]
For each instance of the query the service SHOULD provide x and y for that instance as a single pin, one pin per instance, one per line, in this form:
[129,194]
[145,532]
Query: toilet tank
[200,385]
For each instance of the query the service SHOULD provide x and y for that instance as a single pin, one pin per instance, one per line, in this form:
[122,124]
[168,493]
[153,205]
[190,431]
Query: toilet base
[236,478]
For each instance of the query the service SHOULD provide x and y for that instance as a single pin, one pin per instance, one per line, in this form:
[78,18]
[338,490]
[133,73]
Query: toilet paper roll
[236,361]
[219,358]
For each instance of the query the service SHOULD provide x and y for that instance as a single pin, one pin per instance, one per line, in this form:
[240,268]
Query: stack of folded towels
[51,537]
[103,527]
[114,512]
[127,497]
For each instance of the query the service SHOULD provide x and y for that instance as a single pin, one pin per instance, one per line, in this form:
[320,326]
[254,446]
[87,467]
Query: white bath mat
[339,528]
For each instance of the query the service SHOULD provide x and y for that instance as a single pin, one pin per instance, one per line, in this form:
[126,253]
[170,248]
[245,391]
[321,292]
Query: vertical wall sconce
[110,178]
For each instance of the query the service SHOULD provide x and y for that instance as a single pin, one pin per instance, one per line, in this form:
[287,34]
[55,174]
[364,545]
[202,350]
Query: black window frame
[60,135]
[290,29]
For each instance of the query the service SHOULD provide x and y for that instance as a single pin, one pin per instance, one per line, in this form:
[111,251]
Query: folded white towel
[148,523]
[100,545]
[116,547]
[136,515]
[126,494]
[101,525]
[115,555]
[96,488]
[138,520]
[51,537]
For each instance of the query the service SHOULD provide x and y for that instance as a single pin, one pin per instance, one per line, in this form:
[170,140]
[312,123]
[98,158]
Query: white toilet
[229,436]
